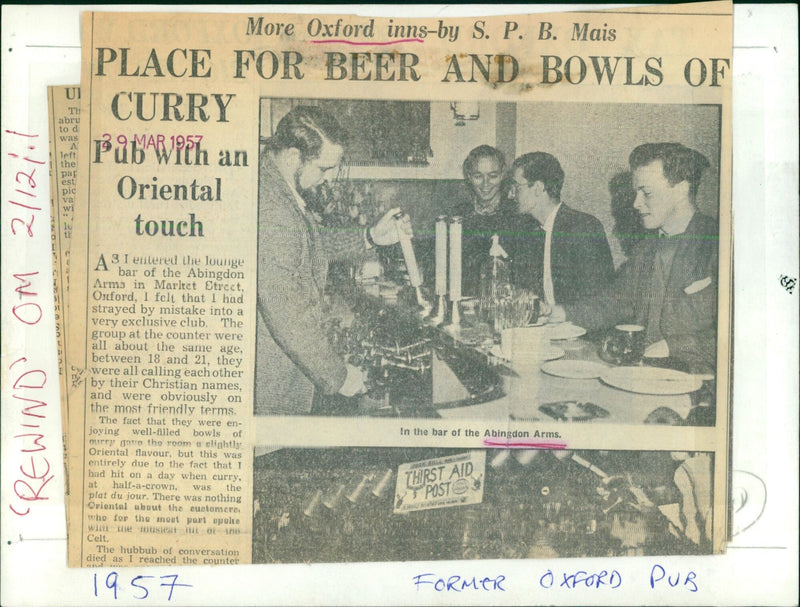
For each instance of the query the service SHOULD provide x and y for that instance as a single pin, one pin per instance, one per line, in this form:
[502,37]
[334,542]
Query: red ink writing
[147,140]
[25,178]
[27,312]
[35,467]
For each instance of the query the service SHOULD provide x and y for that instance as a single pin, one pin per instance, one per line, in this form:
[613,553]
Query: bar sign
[456,480]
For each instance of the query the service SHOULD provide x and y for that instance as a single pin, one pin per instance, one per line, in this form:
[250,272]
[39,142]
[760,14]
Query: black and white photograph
[388,304]
[483,260]
[351,504]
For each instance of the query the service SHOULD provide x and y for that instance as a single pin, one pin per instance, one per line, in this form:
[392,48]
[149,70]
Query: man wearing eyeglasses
[570,258]
[293,355]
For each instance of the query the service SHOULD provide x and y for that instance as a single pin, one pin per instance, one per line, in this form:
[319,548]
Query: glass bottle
[495,285]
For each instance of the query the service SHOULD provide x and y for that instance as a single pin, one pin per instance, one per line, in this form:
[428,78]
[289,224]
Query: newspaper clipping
[64,112]
[337,282]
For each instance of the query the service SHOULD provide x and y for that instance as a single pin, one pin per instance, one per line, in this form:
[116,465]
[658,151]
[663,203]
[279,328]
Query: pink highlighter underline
[522,445]
[366,43]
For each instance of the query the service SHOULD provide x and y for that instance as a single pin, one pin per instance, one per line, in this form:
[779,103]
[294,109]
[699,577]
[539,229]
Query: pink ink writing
[35,467]
[27,380]
[24,195]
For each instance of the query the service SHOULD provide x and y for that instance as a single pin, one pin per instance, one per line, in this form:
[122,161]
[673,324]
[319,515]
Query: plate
[565,330]
[651,380]
[561,330]
[575,369]
[549,353]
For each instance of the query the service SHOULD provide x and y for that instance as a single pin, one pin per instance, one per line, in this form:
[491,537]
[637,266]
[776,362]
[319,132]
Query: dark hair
[544,167]
[479,153]
[679,162]
[305,128]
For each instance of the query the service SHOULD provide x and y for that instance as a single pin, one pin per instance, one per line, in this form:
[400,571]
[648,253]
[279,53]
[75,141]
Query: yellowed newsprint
[64,112]
[312,254]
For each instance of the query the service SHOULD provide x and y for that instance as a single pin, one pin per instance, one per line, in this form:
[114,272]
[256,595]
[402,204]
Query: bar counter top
[510,389]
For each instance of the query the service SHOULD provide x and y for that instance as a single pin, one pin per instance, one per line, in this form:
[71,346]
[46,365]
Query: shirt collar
[551,219]
[677,224]
[489,209]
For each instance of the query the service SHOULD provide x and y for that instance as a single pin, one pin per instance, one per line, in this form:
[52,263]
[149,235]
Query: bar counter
[527,387]
[463,374]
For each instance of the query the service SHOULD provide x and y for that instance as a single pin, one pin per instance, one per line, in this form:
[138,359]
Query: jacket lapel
[686,258]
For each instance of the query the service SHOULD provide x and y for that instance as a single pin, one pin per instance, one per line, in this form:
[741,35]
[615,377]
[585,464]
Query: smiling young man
[669,285]
[293,355]
[483,169]
[487,212]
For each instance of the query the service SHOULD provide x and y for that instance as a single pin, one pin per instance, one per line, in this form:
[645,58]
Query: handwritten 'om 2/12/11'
[660,578]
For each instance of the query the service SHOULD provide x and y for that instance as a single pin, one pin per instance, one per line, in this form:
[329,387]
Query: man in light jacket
[293,354]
